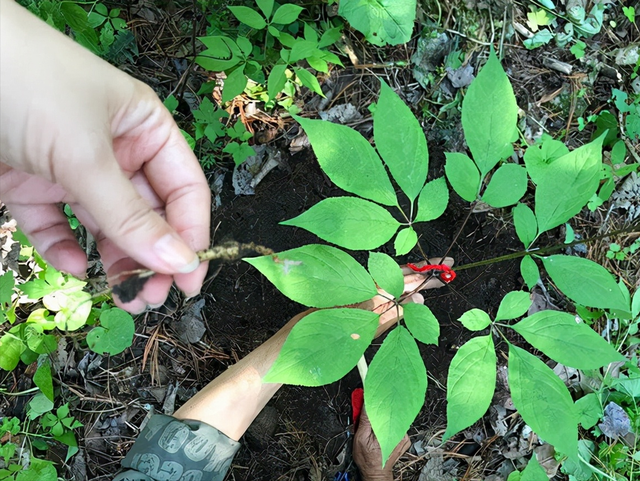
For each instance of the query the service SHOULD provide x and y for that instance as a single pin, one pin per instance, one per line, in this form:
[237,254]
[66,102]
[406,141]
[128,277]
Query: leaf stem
[362,368]
[546,250]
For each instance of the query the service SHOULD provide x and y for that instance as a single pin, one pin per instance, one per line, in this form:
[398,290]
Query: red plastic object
[446,274]
[357,403]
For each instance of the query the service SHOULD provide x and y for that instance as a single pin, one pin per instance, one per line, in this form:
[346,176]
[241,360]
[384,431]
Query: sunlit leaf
[475,319]
[433,200]
[543,401]
[567,184]
[317,276]
[514,304]
[489,116]
[559,336]
[405,241]
[463,175]
[381,21]
[363,174]
[421,322]
[308,356]
[387,274]
[470,384]
[349,222]
[585,282]
[400,142]
[394,389]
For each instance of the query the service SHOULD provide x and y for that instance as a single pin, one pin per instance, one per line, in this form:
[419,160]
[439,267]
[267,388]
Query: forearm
[232,401]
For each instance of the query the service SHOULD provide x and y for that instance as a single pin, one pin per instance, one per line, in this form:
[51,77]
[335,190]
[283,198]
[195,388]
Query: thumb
[123,216]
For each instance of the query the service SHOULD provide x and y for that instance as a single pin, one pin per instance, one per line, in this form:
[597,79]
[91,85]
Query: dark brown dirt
[248,309]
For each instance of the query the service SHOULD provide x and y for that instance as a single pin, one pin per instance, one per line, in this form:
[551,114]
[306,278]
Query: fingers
[367,454]
[48,230]
[174,174]
[153,293]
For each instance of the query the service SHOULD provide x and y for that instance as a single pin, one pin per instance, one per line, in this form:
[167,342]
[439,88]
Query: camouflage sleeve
[172,450]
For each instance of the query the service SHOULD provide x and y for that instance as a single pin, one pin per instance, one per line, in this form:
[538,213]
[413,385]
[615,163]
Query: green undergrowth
[36,313]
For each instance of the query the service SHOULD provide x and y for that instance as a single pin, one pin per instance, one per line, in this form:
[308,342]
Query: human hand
[77,130]
[368,456]
[414,282]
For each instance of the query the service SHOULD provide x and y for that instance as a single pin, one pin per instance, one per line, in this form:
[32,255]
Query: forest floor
[301,435]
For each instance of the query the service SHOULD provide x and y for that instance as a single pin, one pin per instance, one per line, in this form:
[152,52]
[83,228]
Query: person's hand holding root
[77,130]
[366,449]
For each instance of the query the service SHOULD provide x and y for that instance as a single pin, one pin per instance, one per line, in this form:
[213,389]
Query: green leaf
[36,289]
[540,38]
[394,389]
[234,84]
[6,287]
[533,471]
[543,401]
[308,356]
[171,103]
[349,222]
[589,410]
[567,184]
[507,186]
[310,81]
[302,49]
[635,304]
[405,241]
[381,21]
[37,341]
[475,320]
[43,379]
[470,384]
[266,6]
[433,200]
[329,37]
[39,470]
[222,53]
[559,336]
[363,174]
[387,274]
[11,348]
[400,142]
[73,308]
[39,405]
[463,175]
[249,17]
[421,322]
[240,151]
[276,81]
[525,223]
[585,282]
[529,271]
[286,14]
[317,276]
[319,64]
[489,116]
[537,158]
[514,304]
[114,334]
[78,20]
[245,46]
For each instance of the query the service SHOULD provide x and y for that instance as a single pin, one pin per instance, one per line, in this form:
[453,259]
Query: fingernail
[192,294]
[176,254]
